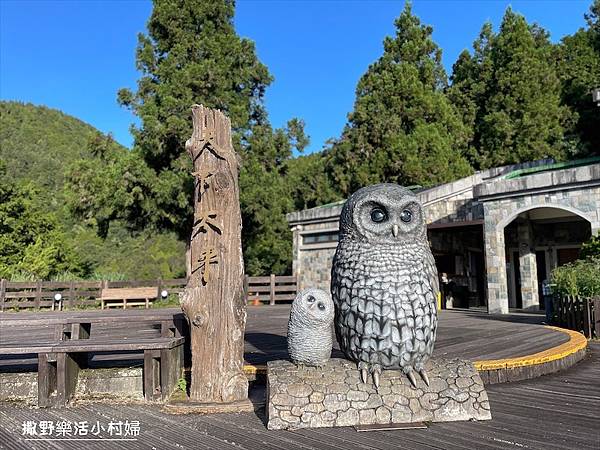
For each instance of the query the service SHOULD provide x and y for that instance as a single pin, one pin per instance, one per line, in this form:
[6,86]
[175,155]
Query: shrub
[580,278]
[591,248]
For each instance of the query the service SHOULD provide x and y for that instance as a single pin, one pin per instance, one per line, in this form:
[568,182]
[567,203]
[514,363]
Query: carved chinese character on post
[213,300]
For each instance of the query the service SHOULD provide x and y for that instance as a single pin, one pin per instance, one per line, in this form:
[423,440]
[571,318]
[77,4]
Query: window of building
[319,238]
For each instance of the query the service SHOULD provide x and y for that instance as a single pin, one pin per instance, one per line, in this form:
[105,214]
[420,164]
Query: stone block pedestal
[334,396]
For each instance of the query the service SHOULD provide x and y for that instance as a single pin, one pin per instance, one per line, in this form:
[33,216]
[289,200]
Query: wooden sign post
[213,300]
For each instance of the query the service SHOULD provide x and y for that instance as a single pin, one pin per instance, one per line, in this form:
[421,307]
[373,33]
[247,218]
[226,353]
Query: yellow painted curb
[251,369]
[577,342]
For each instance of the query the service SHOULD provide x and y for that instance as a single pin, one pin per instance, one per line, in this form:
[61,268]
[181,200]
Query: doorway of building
[566,255]
[517,274]
[478,271]
[542,274]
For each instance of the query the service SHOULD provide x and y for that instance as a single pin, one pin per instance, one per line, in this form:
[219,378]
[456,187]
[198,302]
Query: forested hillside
[38,143]
[39,236]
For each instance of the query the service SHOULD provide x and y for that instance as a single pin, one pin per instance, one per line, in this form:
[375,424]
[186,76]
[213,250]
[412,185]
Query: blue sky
[75,55]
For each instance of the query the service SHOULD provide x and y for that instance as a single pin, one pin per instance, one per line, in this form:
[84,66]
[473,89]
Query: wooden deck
[554,412]
[466,333]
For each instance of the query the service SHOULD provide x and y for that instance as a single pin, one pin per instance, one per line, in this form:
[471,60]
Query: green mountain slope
[37,146]
[38,143]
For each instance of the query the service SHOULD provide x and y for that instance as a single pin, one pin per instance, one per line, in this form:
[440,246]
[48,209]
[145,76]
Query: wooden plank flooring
[466,333]
[560,411]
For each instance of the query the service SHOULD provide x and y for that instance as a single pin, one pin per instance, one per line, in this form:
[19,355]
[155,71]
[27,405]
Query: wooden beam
[464,223]
[46,379]
[2,293]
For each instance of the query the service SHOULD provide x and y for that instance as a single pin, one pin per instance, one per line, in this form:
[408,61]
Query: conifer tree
[523,118]
[579,72]
[509,94]
[403,128]
[471,76]
[192,54]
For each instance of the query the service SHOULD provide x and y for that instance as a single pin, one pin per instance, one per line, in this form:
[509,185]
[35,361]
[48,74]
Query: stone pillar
[527,267]
[296,262]
[495,262]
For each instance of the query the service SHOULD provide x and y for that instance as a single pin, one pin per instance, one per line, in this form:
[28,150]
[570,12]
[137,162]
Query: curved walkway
[503,347]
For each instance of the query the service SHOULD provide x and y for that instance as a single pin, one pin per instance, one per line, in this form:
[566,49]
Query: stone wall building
[496,235]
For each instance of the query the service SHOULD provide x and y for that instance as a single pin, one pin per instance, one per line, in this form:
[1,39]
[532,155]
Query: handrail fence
[28,295]
[579,314]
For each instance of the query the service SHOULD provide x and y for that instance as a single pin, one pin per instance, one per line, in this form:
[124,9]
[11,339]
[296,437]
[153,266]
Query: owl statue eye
[310,299]
[378,215]
[321,306]
[406,216]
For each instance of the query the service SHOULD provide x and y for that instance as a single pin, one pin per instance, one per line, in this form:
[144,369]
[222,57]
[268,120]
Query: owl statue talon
[384,283]
[425,377]
[376,371]
[411,377]
[364,371]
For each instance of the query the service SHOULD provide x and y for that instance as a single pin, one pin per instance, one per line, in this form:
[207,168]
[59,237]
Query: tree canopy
[32,242]
[38,143]
[192,54]
[403,128]
[79,203]
[578,58]
[40,236]
[509,94]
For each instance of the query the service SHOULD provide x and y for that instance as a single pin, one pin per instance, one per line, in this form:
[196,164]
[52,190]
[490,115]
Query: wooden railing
[270,289]
[17,295]
[579,314]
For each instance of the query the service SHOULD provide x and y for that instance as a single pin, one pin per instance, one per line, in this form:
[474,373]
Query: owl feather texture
[384,283]
[310,334]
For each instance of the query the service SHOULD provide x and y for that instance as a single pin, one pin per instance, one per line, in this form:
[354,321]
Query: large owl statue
[310,337]
[384,283]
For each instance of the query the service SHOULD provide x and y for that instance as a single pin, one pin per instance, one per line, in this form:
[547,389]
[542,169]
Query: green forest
[74,204]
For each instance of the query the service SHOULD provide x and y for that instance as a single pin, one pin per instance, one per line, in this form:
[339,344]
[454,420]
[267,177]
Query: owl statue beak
[395,230]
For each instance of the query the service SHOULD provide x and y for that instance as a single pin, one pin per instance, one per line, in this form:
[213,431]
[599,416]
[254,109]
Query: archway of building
[460,260]
[536,241]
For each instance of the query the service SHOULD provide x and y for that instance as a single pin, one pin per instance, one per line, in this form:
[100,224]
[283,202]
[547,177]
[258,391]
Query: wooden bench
[59,363]
[123,297]
[78,325]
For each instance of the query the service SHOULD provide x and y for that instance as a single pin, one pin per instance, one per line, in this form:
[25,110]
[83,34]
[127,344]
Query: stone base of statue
[334,396]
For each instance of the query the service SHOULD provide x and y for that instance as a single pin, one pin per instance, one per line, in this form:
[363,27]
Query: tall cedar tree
[579,71]
[403,128]
[509,93]
[471,75]
[192,54]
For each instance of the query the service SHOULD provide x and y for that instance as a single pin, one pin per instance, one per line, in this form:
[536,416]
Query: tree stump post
[213,298]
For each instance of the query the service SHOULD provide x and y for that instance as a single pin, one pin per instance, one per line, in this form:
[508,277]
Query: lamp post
[58,299]
[596,96]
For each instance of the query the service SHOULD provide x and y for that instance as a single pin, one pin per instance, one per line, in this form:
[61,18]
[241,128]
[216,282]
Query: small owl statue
[384,283]
[310,334]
